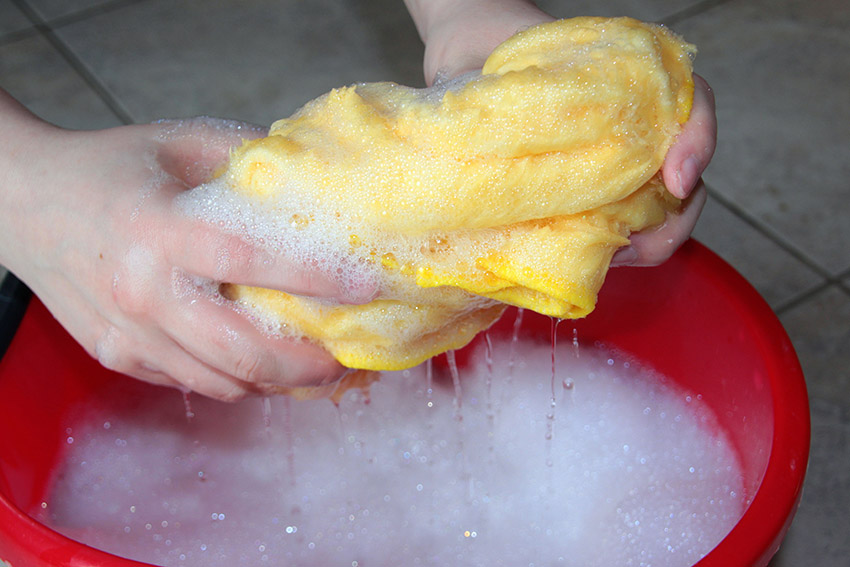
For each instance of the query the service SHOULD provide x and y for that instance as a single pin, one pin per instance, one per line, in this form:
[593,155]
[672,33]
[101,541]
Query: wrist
[23,137]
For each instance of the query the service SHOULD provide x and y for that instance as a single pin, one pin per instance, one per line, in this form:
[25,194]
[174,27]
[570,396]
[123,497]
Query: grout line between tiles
[808,294]
[844,282]
[85,13]
[801,297]
[770,233]
[691,11]
[44,29]
[17,35]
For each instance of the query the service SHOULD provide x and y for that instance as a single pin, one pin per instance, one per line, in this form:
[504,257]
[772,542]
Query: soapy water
[640,473]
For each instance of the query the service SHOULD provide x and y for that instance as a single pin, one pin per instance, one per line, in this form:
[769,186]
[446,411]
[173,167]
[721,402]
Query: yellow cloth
[513,187]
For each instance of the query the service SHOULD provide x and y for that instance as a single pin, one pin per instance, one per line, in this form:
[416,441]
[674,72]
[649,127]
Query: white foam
[640,475]
[158,179]
[135,280]
[185,285]
[106,347]
[319,243]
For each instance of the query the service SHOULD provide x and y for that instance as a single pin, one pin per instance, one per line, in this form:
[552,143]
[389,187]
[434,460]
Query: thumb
[192,150]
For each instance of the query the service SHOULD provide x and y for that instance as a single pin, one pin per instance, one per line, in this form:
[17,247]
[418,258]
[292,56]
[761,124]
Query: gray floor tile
[819,534]
[775,273]
[11,19]
[33,72]
[647,10]
[254,61]
[820,331]
[781,72]
[50,9]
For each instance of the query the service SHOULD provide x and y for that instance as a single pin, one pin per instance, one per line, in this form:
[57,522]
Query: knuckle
[322,371]
[249,366]
[230,394]
[232,258]
[130,298]
[133,284]
[111,351]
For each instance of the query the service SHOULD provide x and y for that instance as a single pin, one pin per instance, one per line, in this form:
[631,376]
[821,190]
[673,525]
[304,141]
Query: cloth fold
[512,186]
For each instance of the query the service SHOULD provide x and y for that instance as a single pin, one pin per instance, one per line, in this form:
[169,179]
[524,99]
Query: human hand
[459,36]
[683,165]
[91,227]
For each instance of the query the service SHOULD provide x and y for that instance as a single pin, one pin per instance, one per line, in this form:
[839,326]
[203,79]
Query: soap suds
[106,347]
[640,474]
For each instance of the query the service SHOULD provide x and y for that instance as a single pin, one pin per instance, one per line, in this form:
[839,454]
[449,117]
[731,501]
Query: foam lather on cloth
[514,185]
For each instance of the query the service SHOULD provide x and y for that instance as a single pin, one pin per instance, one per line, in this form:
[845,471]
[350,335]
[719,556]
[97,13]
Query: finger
[154,358]
[207,251]
[184,372]
[215,333]
[694,147]
[193,150]
[654,246]
[122,345]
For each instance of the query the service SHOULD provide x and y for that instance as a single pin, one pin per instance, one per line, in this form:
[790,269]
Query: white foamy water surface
[625,471]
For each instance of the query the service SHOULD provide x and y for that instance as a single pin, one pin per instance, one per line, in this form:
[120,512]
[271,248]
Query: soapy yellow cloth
[514,186]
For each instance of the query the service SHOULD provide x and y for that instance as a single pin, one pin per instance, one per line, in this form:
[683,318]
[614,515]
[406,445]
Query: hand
[683,165]
[95,234]
[459,35]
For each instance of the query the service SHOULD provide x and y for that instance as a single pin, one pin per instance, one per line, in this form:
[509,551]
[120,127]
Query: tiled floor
[780,181]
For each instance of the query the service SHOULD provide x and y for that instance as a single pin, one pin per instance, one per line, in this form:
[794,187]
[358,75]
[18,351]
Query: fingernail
[359,295]
[624,257]
[688,175]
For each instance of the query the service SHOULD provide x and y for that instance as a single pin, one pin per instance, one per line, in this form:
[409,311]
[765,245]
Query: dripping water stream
[550,415]
[491,415]
[514,341]
[429,382]
[290,438]
[187,405]
[267,415]
[466,473]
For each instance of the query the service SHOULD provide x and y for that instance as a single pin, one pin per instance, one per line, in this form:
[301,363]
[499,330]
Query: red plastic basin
[693,319]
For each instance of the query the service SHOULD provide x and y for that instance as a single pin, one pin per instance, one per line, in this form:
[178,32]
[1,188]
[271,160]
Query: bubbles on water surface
[401,486]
